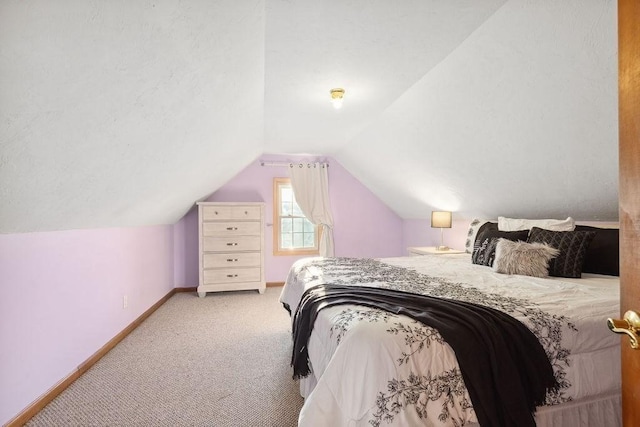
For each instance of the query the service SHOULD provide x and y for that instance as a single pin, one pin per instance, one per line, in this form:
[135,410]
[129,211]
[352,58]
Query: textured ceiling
[520,120]
[375,49]
[125,113]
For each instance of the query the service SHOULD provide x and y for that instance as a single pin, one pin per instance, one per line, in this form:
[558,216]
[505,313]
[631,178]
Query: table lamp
[441,220]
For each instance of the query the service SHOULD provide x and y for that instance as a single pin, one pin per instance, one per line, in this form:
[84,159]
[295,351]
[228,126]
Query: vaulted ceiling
[125,113]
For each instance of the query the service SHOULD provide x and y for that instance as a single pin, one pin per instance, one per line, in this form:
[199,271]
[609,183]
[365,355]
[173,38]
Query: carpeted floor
[222,360]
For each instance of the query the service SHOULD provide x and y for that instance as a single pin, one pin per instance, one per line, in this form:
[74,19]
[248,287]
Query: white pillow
[517,224]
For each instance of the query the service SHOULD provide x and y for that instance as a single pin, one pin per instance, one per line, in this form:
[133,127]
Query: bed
[370,367]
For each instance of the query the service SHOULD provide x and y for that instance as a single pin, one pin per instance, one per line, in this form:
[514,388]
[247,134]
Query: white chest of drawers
[231,241]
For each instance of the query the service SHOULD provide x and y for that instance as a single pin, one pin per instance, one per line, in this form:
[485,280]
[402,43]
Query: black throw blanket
[504,366]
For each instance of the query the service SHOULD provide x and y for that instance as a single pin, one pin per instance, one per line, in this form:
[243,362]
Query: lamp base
[442,248]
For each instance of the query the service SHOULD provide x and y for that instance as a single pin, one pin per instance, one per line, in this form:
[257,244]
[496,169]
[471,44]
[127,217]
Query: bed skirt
[604,410]
[595,411]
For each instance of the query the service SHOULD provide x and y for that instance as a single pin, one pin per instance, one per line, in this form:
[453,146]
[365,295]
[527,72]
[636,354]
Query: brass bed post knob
[630,325]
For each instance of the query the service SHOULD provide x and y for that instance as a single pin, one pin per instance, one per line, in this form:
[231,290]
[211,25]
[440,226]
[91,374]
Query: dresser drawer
[231,228]
[213,213]
[241,259]
[227,275]
[231,244]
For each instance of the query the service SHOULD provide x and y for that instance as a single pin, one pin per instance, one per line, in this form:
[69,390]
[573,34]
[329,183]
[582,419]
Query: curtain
[310,184]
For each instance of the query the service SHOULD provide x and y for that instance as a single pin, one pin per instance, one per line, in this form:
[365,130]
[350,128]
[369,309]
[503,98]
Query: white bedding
[373,368]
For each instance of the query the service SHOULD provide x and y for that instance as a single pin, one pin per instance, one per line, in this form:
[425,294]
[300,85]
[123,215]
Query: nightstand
[430,250]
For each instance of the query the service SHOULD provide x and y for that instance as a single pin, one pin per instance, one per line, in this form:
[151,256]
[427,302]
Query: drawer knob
[232,244]
[232,259]
[232,228]
[232,275]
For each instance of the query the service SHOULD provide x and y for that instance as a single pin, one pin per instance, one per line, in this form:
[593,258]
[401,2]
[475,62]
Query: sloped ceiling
[375,49]
[125,113]
[519,120]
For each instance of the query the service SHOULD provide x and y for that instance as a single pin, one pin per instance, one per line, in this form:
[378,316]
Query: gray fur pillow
[527,259]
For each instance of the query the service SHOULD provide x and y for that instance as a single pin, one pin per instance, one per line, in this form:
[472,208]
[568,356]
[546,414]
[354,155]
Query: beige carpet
[222,360]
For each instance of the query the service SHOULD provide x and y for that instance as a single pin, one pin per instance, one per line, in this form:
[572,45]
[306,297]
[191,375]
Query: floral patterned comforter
[374,368]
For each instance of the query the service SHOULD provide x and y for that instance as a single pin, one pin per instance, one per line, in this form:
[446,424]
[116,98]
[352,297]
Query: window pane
[286,194]
[286,225]
[308,226]
[298,225]
[286,209]
[309,241]
[287,243]
[297,240]
[296,210]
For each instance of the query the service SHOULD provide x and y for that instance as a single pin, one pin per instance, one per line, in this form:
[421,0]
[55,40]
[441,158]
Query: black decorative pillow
[474,228]
[484,248]
[484,253]
[528,259]
[603,254]
[572,245]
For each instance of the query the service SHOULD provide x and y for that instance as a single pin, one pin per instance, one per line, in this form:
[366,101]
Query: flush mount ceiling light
[336,97]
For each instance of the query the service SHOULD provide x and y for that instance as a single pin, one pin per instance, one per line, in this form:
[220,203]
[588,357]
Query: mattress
[372,368]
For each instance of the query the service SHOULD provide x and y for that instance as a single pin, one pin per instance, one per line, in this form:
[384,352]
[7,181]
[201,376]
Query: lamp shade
[440,219]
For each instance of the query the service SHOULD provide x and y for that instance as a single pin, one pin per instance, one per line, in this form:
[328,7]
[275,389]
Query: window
[293,233]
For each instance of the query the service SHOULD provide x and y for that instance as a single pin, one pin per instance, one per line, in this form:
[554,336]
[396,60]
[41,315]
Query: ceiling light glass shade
[337,95]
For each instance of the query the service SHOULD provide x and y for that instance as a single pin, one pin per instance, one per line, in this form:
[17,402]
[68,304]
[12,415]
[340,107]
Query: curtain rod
[289,164]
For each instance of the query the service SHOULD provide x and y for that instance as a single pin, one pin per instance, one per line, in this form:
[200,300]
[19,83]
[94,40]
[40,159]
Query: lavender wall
[363,225]
[61,299]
